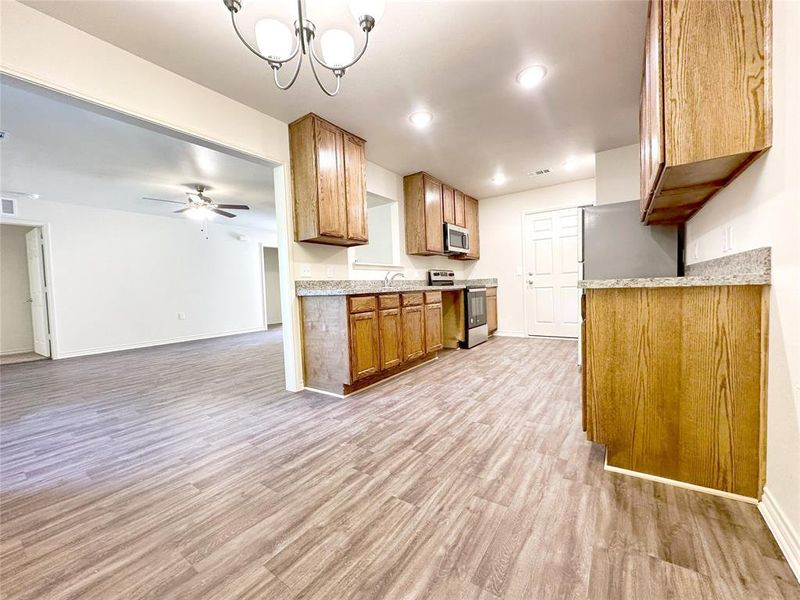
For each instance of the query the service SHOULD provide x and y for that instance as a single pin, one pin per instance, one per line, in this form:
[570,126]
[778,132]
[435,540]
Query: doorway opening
[24,312]
[272,288]
[552,297]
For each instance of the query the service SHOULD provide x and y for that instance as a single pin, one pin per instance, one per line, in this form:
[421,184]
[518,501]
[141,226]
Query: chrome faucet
[387,281]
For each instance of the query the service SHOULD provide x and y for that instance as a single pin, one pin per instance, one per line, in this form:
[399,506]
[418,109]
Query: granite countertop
[751,267]
[328,287]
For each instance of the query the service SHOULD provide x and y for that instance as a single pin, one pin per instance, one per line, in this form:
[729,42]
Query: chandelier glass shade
[277,44]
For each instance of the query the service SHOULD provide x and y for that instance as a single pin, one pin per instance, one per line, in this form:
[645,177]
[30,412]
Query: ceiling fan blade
[223,213]
[180,210]
[234,206]
[162,200]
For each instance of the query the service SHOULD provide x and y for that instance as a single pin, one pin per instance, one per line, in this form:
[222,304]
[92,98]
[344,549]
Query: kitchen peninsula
[359,332]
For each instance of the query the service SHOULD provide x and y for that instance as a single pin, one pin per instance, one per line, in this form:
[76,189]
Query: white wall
[501,242]
[119,279]
[617,175]
[16,327]
[316,261]
[761,207]
[272,293]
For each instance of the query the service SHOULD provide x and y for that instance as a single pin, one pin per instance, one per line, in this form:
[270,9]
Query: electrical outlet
[695,251]
[727,238]
[329,272]
[305,271]
[181,316]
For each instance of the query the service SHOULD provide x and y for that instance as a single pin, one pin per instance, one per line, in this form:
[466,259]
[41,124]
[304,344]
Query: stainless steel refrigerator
[617,245]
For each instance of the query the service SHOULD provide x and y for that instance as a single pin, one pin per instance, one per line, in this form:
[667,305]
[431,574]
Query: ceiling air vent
[538,172]
[9,207]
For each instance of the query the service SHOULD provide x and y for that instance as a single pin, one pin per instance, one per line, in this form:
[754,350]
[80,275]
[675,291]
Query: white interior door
[551,273]
[38,299]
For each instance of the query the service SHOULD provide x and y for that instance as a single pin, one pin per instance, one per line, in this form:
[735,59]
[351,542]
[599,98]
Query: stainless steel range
[477,330]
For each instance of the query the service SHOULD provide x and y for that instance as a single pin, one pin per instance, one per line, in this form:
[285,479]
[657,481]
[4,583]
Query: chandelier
[274,41]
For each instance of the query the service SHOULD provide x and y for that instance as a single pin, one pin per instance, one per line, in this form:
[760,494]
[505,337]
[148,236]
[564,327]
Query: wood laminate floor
[187,472]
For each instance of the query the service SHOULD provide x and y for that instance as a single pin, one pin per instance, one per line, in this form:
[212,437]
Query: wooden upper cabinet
[364,345]
[706,105]
[460,215]
[424,218]
[328,182]
[471,218]
[355,179]
[448,205]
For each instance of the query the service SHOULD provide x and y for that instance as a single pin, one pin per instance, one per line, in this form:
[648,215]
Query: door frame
[523,216]
[49,274]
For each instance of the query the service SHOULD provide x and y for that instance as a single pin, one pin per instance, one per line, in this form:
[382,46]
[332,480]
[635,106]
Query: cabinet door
[433,328]
[491,312]
[651,110]
[448,205]
[460,209]
[413,332]
[434,233]
[355,183]
[364,344]
[472,226]
[330,174]
[391,333]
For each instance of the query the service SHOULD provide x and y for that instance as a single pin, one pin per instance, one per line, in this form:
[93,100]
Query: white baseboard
[515,334]
[16,351]
[680,484]
[150,344]
[782,530]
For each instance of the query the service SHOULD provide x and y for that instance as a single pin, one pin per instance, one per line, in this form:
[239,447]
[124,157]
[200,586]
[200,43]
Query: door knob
[530,282]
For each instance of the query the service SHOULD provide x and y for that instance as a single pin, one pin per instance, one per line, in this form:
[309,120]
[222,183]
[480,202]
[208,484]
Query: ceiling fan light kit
[273,39]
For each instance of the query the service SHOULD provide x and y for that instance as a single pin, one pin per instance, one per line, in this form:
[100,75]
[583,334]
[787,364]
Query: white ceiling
[65,152]
[456,59]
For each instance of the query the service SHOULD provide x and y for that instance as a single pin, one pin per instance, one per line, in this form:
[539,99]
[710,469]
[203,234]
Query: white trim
[14,351]
[376,266]
[514,334]
[680,484]
[782,530]
[177,340]
[323,392]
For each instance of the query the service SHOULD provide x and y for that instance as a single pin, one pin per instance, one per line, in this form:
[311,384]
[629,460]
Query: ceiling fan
[201,207]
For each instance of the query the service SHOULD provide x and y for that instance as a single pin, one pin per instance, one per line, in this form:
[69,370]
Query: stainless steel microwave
[456,239]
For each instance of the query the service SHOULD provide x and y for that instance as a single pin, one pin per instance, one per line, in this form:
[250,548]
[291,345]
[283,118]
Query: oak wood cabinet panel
[411,298]
[424,216]
[361,303]
[460,210]
[355,178]
[388,301]
[491,309]
[706,101]
[433,327]
[413,318]
[675,382]
[472,225]
[364,344]
[391,338]
[448,205]
[328,183]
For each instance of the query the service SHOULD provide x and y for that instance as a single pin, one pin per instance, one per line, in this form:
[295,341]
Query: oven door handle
[483,289]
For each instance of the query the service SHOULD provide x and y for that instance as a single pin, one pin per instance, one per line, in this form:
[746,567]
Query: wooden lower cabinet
[413,318]
[364,345]
[391,338]
[491,309]
[352,341]
[675,382]
[433,327]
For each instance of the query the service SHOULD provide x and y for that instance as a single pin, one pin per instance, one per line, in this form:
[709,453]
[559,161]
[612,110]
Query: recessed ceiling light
[420,119]
[499,179]
[532,76]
